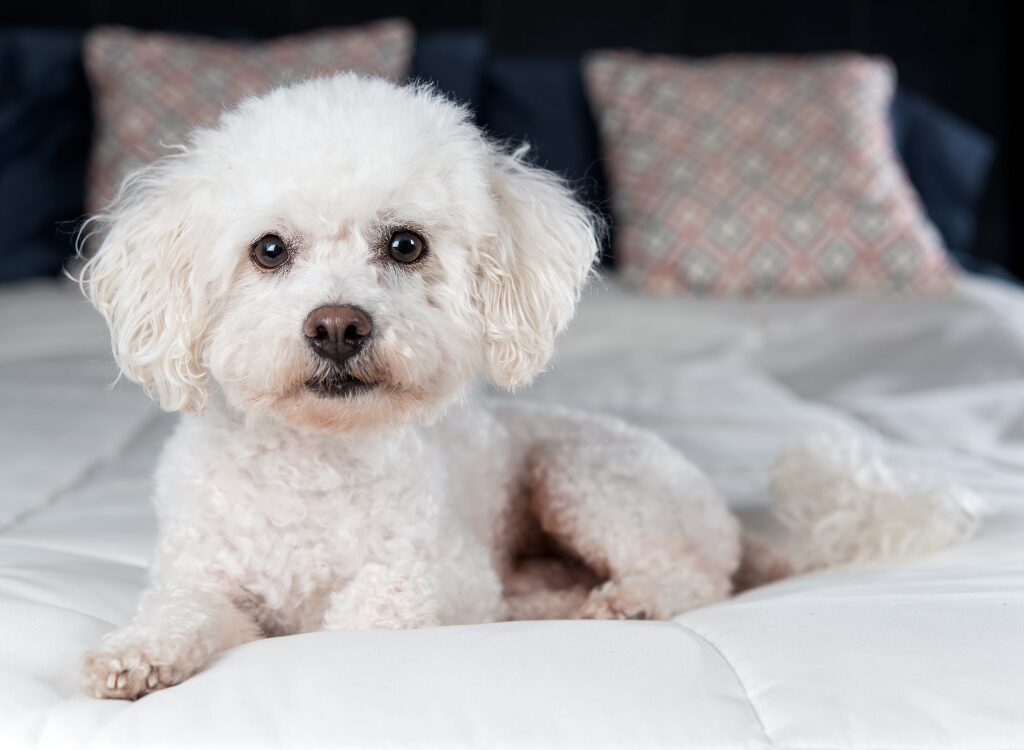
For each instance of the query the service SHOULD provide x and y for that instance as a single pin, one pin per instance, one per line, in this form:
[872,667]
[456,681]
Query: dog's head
[340,253]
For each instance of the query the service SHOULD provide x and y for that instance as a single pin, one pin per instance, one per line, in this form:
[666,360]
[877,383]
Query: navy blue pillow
[44,147]
[948,161]
[454,61]
[540,100]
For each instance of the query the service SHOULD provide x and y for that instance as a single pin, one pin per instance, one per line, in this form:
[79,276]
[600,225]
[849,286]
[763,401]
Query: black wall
[955,51]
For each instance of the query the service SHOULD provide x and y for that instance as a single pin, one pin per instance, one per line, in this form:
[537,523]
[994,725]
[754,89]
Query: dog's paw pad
[125,674]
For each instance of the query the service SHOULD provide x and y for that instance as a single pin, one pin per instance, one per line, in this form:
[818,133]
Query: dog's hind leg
[634,510]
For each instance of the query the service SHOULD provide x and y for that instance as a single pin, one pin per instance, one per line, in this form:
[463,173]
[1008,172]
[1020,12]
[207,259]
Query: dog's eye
[270,252]
[406,246]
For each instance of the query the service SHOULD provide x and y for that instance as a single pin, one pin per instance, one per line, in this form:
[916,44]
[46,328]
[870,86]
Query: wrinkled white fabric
[925,656]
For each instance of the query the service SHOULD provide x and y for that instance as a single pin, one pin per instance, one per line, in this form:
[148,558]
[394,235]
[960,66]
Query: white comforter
[925,656]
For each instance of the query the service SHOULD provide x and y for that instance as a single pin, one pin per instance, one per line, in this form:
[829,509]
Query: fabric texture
[760,175]
[917,657]
[44,142]
[150,89]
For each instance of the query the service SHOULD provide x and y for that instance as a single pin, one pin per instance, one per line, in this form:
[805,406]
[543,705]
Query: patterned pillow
[150,89]
[747,175]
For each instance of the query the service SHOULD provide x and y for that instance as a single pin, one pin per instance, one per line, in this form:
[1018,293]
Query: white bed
[926,656]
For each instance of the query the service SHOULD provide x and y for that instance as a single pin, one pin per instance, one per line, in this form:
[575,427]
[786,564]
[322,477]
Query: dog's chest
[287,525]
[309,543]
[319,534]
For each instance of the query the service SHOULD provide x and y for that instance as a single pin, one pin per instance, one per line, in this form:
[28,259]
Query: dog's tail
[840,503]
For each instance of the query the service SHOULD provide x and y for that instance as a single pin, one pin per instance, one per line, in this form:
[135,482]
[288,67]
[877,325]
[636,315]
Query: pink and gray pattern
[746,175]
[150,89]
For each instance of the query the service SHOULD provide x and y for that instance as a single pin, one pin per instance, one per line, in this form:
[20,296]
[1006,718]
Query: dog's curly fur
[283,510]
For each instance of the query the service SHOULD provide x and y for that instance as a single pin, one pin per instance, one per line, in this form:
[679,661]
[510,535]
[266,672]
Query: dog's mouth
[339,385]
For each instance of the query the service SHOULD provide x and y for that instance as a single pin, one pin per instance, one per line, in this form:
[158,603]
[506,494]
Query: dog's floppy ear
[532,271]
[145,281]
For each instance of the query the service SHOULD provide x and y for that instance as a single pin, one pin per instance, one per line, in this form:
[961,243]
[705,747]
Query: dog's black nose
[336,332]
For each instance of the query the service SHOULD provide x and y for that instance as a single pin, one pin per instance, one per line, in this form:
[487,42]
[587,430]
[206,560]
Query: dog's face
[339,254]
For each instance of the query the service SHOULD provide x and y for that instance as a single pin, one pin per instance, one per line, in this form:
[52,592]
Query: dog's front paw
[129,672]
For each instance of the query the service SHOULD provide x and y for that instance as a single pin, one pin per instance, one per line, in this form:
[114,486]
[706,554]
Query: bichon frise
[315,282]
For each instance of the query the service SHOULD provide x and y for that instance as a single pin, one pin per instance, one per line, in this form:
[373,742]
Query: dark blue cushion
[948,162]
[44,146]
[454,62]
[540,101]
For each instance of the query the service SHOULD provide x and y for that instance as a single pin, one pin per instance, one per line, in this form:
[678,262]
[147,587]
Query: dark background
[957,52]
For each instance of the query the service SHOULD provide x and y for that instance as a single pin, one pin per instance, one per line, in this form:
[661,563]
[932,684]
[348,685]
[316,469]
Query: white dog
[316,281]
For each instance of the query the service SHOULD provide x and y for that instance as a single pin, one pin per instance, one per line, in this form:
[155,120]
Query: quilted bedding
[925,656]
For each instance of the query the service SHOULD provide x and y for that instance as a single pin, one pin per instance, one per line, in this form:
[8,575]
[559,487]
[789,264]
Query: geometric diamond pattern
[759,175]
[151,89]
[766,264]
[835,260]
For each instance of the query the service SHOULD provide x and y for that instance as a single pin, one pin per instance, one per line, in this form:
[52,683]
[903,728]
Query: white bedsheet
[925,656]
